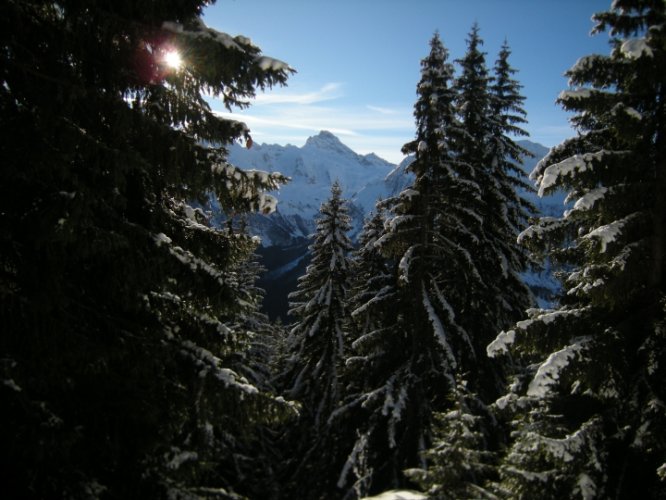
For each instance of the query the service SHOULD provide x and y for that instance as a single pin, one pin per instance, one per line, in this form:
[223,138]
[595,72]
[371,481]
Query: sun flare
[173,59]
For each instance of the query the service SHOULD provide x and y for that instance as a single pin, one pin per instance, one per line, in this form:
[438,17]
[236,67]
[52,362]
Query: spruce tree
[413,357]
[490,109]
[463,455]
[259,455]
[506,212]
[586,412]
[371,318]
[372,277]
[460,465]
[312,374]
[473,106]
[120,370]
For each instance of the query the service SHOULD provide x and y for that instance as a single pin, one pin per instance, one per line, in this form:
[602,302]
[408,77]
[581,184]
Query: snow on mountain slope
[313,169]
[364,179]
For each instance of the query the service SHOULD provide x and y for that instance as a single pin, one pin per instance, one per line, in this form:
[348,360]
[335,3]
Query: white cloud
[284,122]
[289,118]
[328,92]
[383,111]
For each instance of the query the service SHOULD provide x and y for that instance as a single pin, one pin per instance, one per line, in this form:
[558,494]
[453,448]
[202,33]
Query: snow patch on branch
[635,48]
[179,458]
[587,201]
[405,263]
[202,31]
[540,229]
[398,495]
[661,472]
[501,344]
[609,233]
[209,363]
[438,328]
[266,63]
[549,371]
[574,94]
[571,166]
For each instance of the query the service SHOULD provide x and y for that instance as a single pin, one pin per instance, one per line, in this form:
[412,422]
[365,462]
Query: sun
[173,59]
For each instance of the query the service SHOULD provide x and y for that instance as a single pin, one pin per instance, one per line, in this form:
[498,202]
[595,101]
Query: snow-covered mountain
[364,179]
[313,168]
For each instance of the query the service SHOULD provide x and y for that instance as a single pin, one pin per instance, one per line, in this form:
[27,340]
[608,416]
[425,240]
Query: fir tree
[460,464]
[506,213]
[461,459]
[120,369]
[473,107]
[489,110]
[255,359]
[372,278]
[371,317]
[412,358]
[587,410]
[316,351]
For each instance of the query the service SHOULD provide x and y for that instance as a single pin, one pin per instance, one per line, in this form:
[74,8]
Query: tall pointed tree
[411,359]
[313,369]
[490,110]
[462,460]
[507,213]
[473,105]
[117,363]
[587,411]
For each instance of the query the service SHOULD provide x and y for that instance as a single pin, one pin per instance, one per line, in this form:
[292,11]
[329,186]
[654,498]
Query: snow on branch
[188,259]
[398,495]
[209,363]
[587,201]
[501,344]
[405,263]
[573,94]
[438,328]
[609,233]
[635,48]
[248,185]
[198,29]
[573,165]
[548,373]
[540,230]
[359,449]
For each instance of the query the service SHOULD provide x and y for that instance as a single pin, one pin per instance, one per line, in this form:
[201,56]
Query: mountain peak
[325,140]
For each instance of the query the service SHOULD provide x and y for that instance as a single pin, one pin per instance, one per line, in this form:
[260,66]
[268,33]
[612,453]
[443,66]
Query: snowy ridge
[365,179]
[312,169]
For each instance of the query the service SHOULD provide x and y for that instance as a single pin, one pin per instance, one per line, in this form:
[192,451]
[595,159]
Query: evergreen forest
[136,361]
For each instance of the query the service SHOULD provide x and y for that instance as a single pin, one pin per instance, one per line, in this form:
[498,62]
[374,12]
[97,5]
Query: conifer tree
[460,465]
[316,346]
[372,317]
[255,359]
[473,106]
[120,369]
[462,460]
[372,278]
[413,357]
[489,110]
[506,212]
[586,412]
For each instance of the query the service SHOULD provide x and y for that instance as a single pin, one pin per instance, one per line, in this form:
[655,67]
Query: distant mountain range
[364,179]
[313,168]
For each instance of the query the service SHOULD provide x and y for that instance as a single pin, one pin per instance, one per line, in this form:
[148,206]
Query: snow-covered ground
[398,495]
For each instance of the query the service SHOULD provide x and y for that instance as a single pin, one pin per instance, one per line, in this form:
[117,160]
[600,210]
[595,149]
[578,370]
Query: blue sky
[358,61]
